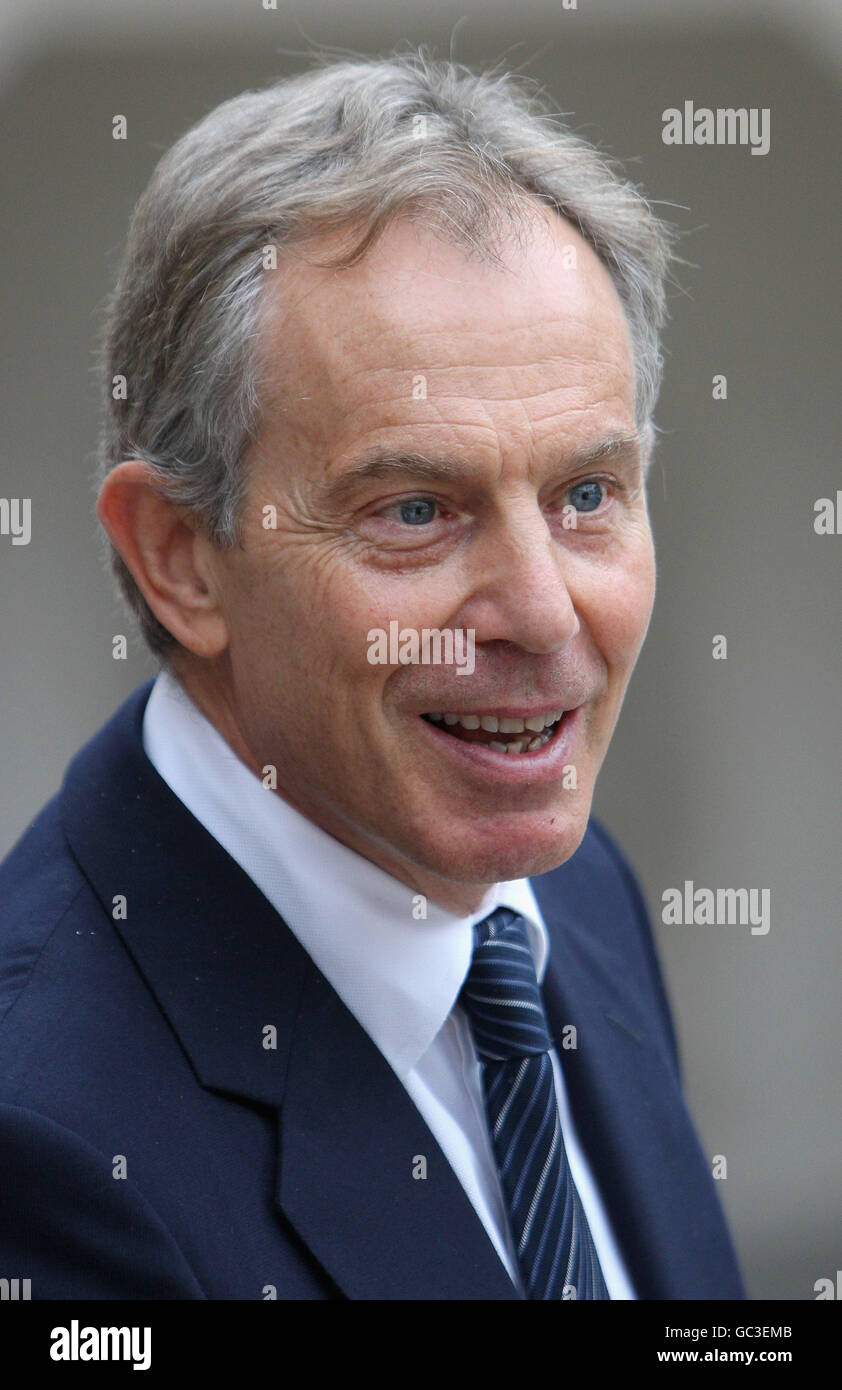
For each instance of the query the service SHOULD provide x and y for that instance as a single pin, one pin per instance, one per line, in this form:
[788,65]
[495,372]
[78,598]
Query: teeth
[536,724]
[492,725]
[519,745]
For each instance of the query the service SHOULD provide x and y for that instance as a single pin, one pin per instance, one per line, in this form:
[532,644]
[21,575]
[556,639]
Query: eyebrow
[383,463]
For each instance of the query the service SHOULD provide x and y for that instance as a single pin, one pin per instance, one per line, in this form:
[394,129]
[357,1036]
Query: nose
[521,584]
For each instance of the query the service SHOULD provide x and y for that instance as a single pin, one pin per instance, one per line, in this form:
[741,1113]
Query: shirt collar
[399,972]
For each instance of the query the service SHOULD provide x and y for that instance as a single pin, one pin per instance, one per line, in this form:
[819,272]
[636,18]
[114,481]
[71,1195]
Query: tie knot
[501,995]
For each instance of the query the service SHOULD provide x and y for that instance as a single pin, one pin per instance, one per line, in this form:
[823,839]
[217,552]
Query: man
[318,981]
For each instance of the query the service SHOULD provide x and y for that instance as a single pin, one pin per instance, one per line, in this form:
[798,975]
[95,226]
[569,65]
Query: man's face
[508,382]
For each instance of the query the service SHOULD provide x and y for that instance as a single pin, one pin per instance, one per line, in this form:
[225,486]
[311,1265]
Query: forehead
[546,318]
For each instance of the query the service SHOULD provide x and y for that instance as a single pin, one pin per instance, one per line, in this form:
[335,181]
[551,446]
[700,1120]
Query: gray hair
[349,145]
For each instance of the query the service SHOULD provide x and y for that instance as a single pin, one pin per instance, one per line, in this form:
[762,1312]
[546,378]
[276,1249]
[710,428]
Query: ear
[165,549]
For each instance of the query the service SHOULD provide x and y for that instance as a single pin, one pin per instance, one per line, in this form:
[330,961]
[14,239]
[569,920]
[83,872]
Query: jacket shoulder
[113,1243]
[599,888]
[39,884]
[40,877]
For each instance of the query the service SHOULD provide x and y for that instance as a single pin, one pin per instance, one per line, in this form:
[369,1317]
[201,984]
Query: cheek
[620,614]
[296,599]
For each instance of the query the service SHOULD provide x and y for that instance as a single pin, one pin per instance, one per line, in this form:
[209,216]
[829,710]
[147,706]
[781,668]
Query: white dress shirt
[399,975]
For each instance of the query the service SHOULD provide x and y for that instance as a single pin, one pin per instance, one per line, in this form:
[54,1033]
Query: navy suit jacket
[151,1146]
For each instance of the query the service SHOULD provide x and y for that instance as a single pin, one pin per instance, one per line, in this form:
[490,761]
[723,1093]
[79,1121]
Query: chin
[509,852]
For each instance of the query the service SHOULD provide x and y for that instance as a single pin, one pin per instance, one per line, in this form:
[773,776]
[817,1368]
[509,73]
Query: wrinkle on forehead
[339,342]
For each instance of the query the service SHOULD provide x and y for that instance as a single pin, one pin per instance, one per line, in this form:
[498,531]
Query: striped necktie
[502,999]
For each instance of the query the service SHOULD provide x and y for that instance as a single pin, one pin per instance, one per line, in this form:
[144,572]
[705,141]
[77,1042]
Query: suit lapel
[223,967]
[350,1140]
[630,1115]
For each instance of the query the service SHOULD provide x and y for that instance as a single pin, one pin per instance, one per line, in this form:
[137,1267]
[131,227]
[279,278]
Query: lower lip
[542,765]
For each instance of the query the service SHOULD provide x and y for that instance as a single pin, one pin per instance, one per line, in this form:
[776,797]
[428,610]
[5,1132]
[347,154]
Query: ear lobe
[160,544]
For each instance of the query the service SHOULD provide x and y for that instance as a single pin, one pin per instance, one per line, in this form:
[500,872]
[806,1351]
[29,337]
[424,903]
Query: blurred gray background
[723,772]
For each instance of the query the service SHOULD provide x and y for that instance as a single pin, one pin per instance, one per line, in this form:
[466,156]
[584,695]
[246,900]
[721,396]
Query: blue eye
[417,511]
[590,495]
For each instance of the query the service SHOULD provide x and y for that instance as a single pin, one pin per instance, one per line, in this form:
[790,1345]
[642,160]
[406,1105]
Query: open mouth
[503,735]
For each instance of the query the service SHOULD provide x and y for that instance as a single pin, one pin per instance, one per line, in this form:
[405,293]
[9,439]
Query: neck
[210,693]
